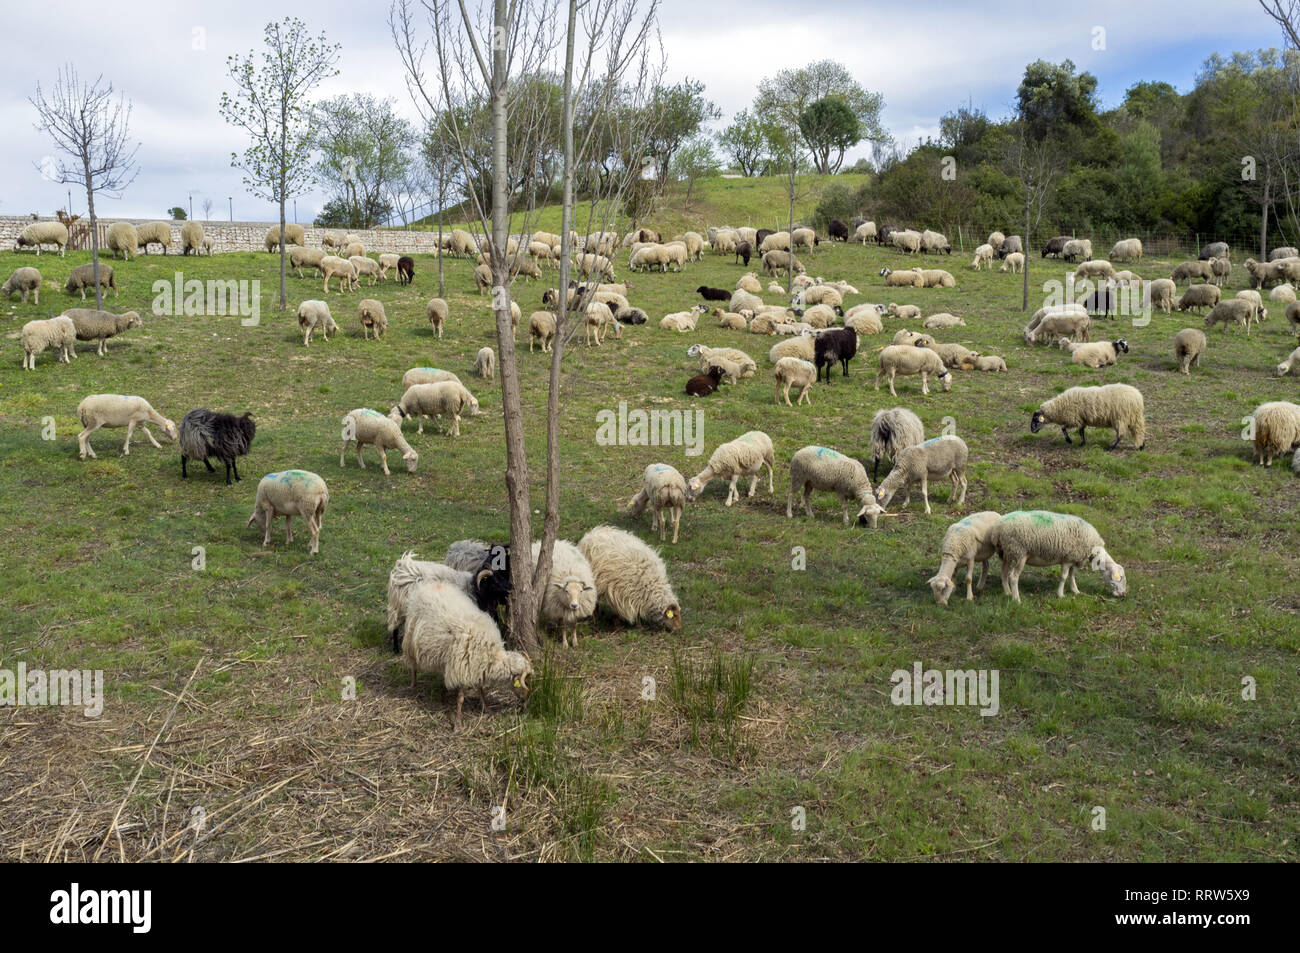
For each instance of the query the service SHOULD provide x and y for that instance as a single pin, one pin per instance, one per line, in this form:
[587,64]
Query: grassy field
[774,700]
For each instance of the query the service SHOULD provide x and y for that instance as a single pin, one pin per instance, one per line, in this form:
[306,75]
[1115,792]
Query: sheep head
[870,512]
[520,670]
[946,380]
[570,593]
[1036,421]
[942,587]
[671,617]
[169,428]
[1111,572]
[411,459]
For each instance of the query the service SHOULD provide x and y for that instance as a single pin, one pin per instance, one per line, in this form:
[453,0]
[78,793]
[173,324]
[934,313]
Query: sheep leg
[145,428]
[805,396]
[269,516]
[414,671]
[211,468]
[460,704]
[1073,586]
[753,482]
[1116,443]
[891,383]
[360,462]
[83,439]
[1015,576]
[130,429]
[677,521]
[984,575]
[925,491]
[925,383]
[1065,574]
[288,530]
[383,460]
[1066,432]
[769,479]
[970,572]
[732,495]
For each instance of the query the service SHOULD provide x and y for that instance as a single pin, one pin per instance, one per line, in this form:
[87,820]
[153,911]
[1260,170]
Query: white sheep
[1116,406]
[436,312]
[313,314]
[387,260]
[1259,312]
[570,591]
[332,265]
[99,326]
[909,359]
[964,544]
[300,258]
[744,456]
[631,579]
[541,327]
[1282,293]
[366,427]
[1160,293]
[119,410]
[427,375]
[1277,430]
[821,468]
[942,321]
[434,400]
[123,238]
[794,372]
[865,232]
[24,281]
[938,458]
[905,312]
[57,333]
[1042,538]
[160,233]
[290,493]
[192,238]
[743,362]
[663,489]
[1189,345]
[983,256]
[1126,249]
[990,362]
[43,233]
[1014,263]
[370,312]
[1096,353]
[485,363]
[1285,367]
[295,235]
[1077,249]
[364,266]
[911,278]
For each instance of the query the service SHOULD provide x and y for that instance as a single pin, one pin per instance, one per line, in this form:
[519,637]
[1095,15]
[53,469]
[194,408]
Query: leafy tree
[1053,99]
[783,98]
[695,160]
[829,127]
[365,150]
[177,213]
[746,143]
[677,114]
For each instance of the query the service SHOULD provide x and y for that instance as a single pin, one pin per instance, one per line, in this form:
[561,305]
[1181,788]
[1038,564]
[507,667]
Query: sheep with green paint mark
[821,468]
[365,427]
[1043,538]
[291,493]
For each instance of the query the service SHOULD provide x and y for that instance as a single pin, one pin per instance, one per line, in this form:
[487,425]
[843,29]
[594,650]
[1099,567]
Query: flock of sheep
[444,616]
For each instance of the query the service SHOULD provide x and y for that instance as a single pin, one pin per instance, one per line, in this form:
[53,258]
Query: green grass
[1133,705]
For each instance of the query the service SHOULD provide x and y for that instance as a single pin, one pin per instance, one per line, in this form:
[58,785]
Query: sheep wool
[1277,430]
[631,579]
[365,427]
[794,372]
[192,238]
[744,456]
[426,375]
[942,457]
[964,544]
[1042,538]
[315,314]
[25,281]
[570,591]
[290,493]
[370,313]
[1189,345]
[910,359]
[434,400]
[59,334]
[485,363]
[43,233]
[99,326]
[123,239]
[821,468]
[156,233]
[1116,406]
[891,431]
[1291,359]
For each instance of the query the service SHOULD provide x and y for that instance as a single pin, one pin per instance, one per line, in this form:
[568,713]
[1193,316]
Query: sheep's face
[946,380]
[883,496]
[942,587]
[258,518]
[671,617]
[1111,571]
[169,429]
[520,671]
[570,593]
[694,488]
[472,405]
[871,512]
[1121,346]
[411,459]
[1036,421]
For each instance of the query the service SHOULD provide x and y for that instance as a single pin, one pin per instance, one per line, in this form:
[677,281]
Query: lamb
[332,265]
[983,256]
[541,327]
[1214,250]
[1198,296]
[1194,271]
[702,385]
[124,239]
[205,433]
[43,233]
[293,493]
[937,458]
[965,543]
[1099,268]
[1126,249]
[83,277]
[990,362]
[485,363]
[364,266]
[794,372]
[118,410]
[25,281]
[1277,430]
[301,257]
[799,346]
[484,583]
[1077,249]
[1015,263]
[436,312]
[905,312]
[427,375]
[821,468]
[1095,354]
[58,333]
[1189,345]
[942,321]
[295,234]
[891,431]
[570,595]
[903,279]
[370,313]
[1285,367]
[366,427]
[663,489]
[191,238]
[837,344]
[744,456]
[1160,294]
[910,359]
[1232,311]
[315,314]
[1117,406]
[730,320]
[955,357]
[99,326]
[631,579]
[1042,538]
[434,400]
[598,315]
[1258,311]
[743,362]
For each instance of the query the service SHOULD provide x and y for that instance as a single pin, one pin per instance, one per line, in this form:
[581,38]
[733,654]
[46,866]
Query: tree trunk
[1263,221]
[789,271]
[1024,303]
[284,175]
[523,600]
[94,240]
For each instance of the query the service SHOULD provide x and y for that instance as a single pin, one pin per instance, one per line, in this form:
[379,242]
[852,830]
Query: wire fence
[966,237]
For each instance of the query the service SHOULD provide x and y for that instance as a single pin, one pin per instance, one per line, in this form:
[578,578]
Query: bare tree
[1286,14]
[270,104]
[207,210]
[1037,164]
[89,125]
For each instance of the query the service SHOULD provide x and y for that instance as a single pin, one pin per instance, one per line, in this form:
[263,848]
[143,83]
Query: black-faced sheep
[837,344]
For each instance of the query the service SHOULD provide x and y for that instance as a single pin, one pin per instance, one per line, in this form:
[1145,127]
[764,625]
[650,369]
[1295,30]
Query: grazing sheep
[1258,311]
[744,456]
[99,326]
[1292,314]
[366,427]
[541,327]
[313,314]
[1286,251]
[804,238]
[903,279]
[295,234]
[123,238]
[983,256]
[1053,322]
[1214,250]
[631,579]
[1277,430]
[155,233]
[1042,538]
[387,260]
[83,277]
[800,346]
[364,266]
[427,375]
[370,313]
[836,345]
[1014,263]
[434,400]
[1126,249]
[1232,311]
[935,242]
[1077,249]
[1282,293]
[1012,245]
[990,362]
[436,312]
[191,238]
[778,261]
[406,270]
[909,359]
[570,595]
[1198,296]
[119,410]
[25,281]
[485,363]
[891,431]
[1098,268]
[702,385]
[205,433]
[865,232]
[794,372]
[484,583]
[904,312]
[907,241]
[1160,294]
[965,543]
[1285,367]
[43,233]
[1117,406]
[354,250]
[291,493]
[663,489]
[58,333]
[301,257]
[942,321]
[1055,246]
[1189,345]
[937,458]
[1095,354]
[332,265]
[821,468]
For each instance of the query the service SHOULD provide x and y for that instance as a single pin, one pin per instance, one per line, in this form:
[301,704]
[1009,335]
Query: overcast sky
[924,57]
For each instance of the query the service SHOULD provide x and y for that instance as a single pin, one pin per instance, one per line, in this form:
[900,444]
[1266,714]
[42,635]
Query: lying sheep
[83,277]
[746,367]
[800,346]
[434,400]
[24,281]
[681,321]
[1041,538]
[1282,293]
[1189,345]
[59,334]
[99,326]
[313,314]
[1214,250]
[118,410]
[821,468]
[905,312]
[794,372]
[965,543]
[1095,354]
[436,312]
[903,279]
[1277,430]
[123,239]
[909,359]
[891,431]
[938,458]
[371,315]
[942,321]
[43,233]
[291,493]
[1198,296]
[913,338]
[730,320]
[663,489]
[990,362]
[865,319]
[1117,406]
[744,456]
[365,427]
[936,278]
[631,579]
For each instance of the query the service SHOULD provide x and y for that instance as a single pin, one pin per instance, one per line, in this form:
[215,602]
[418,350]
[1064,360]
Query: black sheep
[882,236]
[205,433]
[713,294]
[744,250]
[405,270]
[701,385]
[837,344]
[1055,246]
[630,315]
[837,229]
[491,583]
[1101,301]
[762,234]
